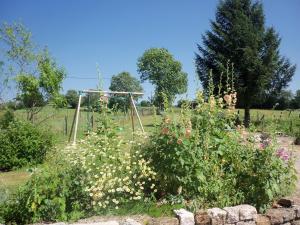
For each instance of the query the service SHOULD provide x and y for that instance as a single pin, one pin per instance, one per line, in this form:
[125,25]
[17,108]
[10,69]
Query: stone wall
[285,212]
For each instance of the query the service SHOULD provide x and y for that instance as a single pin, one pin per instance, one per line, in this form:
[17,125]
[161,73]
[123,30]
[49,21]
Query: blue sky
[114,33]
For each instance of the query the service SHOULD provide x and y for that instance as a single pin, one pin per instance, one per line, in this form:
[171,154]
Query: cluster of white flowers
[114,171]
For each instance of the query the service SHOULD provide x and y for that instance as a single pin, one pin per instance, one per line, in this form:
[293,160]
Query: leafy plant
[22,143]
[204,158]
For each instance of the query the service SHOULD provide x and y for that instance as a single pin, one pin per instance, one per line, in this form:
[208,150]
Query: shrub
[53,193]
[115,172]
[5,118]
[201,157]
[21,143]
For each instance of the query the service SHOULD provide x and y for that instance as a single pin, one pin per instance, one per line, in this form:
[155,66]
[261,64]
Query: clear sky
[114,33]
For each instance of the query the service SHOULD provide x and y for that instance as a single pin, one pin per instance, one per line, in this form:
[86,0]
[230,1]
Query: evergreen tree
[239,36]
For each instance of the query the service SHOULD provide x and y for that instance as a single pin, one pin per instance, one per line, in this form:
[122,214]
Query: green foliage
[239,34]
[201,157]
[72,98]
[53,193]
[145,103]
[159,67]
[123,82]
[5,118]
[22,143]
[37,75]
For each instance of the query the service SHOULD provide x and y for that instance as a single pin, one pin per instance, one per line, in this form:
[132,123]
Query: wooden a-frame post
[132,110]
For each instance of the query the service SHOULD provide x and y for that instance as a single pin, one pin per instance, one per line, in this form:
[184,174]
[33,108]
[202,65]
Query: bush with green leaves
[21,144]
[53,193]
[203,158]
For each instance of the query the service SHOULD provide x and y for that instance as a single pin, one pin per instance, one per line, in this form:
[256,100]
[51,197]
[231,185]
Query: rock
[247,212]
[217,216]
[289,215]
[285,202]
[202,218]
[98,223]
[232,214]
[164,221]
[129,222]
[296,222]
[281,215]
[185,217]
[262,220]
[251,222]
[297,211]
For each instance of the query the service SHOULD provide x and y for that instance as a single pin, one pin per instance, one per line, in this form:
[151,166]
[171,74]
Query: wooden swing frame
[133,109]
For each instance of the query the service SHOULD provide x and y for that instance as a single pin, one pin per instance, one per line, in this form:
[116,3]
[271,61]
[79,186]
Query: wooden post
[77,119]
[131,115]
[66,125]
[72,127]
[136,112]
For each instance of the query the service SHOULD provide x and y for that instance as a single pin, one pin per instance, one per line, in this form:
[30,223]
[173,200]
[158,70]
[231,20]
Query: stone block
[297,211]
[247,212]
[296,222]
[233,214]
[202,218]
[281,215]
[130,222]
[217,216]
[164,221]
[251,222]
[263,220]
[185,217]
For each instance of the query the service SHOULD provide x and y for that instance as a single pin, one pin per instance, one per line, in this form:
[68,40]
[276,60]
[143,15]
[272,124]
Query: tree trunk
[247,116]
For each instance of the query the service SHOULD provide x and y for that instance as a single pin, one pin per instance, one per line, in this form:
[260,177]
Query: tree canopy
[123,82]
[239,35]
[37,75]
[159,67]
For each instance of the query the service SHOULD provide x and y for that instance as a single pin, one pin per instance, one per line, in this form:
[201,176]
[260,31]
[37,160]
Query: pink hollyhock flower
[283,154]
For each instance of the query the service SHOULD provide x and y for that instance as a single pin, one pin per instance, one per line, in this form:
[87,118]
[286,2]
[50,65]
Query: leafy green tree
[159,67]
[239,35]
[295,103]
[123,82]
[72,98]
[37,75]
[145,103]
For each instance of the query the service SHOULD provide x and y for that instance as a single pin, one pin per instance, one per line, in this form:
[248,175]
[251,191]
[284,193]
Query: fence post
[66,125]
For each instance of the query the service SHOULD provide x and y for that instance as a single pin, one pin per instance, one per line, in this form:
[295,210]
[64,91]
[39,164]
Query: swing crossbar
[112,92]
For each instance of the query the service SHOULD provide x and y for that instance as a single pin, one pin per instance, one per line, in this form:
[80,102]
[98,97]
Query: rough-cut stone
[247,212]
[217,216]
[232,214]
[297,211]
[289,215]
[251,222]
[202,218]
[164,221]
[130,222]
[296,222]
[97,223]
[185,217]
[262,220]
[281,215]
[285,202]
